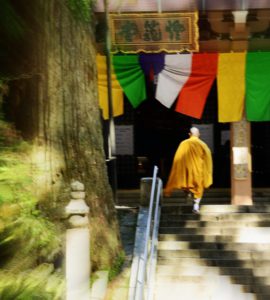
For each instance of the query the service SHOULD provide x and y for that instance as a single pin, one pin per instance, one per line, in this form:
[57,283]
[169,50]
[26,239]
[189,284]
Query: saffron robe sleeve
[191,169]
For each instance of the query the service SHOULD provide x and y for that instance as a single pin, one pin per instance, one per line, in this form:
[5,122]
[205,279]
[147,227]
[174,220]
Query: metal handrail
[145,262]
[154,244]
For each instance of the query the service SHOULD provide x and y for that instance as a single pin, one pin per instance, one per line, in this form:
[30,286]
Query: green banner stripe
[258,86]
[131,77]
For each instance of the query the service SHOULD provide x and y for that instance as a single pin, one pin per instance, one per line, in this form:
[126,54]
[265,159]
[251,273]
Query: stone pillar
[241,191]
[77,246]
[145,190]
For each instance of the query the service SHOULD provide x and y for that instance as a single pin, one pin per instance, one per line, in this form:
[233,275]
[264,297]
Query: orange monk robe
[192,168]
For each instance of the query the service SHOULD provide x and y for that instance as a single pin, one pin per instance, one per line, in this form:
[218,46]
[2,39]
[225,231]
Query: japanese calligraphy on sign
[151,32]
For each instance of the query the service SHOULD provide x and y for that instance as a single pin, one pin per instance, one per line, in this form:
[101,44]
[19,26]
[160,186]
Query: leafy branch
[81,9]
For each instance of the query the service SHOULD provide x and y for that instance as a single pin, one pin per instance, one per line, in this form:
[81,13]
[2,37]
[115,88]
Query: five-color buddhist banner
[183,81]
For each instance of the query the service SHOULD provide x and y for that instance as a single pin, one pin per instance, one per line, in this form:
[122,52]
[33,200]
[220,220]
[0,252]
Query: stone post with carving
[77,245]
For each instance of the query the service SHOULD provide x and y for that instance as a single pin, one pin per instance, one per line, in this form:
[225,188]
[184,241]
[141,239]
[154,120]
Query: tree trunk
[53,101]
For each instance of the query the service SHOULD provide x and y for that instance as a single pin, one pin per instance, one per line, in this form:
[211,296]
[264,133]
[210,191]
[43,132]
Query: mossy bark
[54,104]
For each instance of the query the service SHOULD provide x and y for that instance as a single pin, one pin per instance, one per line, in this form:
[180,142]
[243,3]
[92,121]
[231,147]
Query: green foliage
[27,236]
[40,234]
[41,283]
[81,9]
[117,266]
[28,223]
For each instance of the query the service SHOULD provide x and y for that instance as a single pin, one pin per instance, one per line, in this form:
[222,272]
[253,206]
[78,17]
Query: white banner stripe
[171,80]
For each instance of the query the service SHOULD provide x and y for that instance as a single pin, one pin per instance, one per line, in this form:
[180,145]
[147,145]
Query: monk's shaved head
[194,131]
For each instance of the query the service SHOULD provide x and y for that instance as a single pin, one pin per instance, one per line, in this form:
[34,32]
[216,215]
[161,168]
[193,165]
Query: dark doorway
[158,132]
[260,150]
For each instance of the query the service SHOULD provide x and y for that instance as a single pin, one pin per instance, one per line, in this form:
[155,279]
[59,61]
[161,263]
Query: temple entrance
[150,133]
[159,131]
[260,148]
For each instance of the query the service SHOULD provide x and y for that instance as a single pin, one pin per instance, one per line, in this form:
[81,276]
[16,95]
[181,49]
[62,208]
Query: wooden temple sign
[153,32]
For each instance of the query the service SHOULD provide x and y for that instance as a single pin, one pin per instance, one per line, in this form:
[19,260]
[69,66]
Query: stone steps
[249,284]
[213,195]
[213,200]
[218,269]
[221,254]
[214,208]
[216,290]
[216,217]
[184,245]
[218,231]
[215,254]
[246,237]
[205,281]
[217,223]
[223,264]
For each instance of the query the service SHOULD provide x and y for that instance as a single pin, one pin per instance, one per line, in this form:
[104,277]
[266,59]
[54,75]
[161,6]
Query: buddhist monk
[192,168]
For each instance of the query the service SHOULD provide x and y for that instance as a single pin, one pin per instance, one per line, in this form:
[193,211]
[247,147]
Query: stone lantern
[77,245]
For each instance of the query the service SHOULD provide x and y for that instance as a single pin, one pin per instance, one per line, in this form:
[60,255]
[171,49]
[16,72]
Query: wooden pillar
[241,183]
[241,191]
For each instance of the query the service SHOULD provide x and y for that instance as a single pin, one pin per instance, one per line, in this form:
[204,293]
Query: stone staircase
[131,198]
[221,254]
